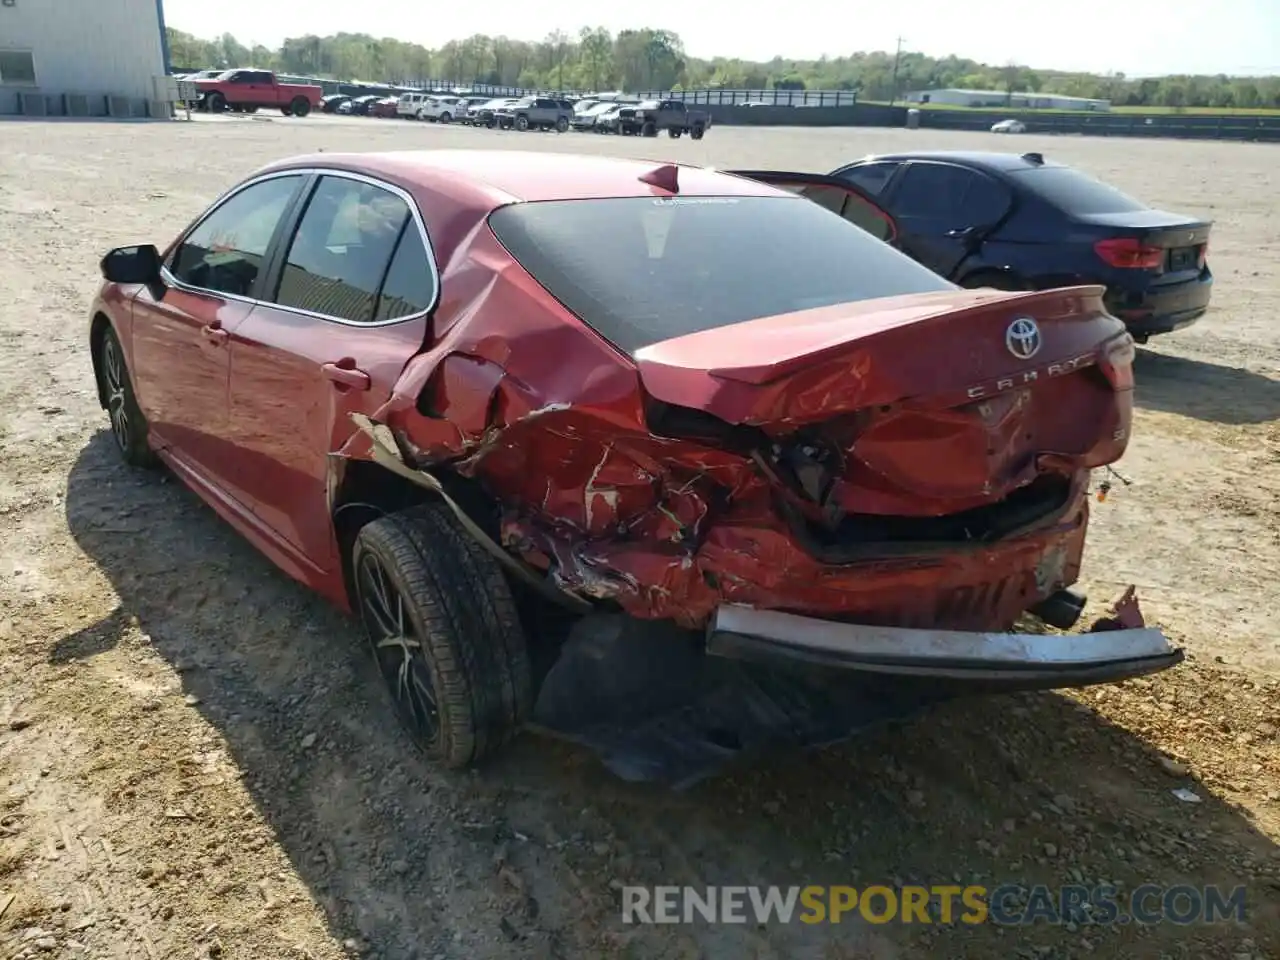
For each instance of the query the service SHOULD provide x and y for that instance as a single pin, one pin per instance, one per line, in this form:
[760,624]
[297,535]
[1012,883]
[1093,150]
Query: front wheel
[128,425]
[697,133]
[674,132]
[444,631]
[300,106]
[445,118]
[522,123]
[562,124]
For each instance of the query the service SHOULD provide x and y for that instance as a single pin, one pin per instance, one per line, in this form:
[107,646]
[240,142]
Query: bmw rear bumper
[1162,309]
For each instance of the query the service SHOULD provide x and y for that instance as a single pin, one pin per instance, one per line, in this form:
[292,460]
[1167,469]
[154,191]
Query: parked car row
[646,118]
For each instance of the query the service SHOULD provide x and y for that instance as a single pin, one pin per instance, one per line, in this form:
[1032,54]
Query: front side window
[226,251]
[640,270]
[343,245]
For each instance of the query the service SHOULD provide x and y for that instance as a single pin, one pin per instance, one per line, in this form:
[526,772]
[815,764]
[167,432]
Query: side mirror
[139,264]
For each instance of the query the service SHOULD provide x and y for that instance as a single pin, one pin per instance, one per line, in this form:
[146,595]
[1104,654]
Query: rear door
[945,212]
[350,289]
[837,195]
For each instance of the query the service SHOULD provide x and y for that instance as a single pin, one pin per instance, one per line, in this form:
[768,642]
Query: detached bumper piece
[654,707]
[657,703]
[983,661]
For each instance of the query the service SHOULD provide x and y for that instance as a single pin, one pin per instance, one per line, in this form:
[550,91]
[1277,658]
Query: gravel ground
[198,761]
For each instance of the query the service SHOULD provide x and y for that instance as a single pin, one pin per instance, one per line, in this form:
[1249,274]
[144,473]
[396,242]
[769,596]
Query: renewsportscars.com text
[1007,905]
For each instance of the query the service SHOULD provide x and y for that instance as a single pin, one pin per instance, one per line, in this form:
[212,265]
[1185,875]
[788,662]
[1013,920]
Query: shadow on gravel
[523,858]
[1205,390]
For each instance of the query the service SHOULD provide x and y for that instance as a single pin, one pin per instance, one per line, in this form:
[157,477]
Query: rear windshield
[1074,192]
[640,270]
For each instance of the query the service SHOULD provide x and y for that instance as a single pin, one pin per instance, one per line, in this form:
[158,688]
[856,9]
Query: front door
[351,300]
[179,342]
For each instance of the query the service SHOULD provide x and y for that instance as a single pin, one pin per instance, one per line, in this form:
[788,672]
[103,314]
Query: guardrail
[1262,129]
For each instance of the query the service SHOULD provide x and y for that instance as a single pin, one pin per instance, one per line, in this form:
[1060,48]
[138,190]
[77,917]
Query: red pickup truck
[245,90]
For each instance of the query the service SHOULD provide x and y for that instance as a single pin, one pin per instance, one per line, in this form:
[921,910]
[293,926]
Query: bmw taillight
[1127,253]
[1204,255]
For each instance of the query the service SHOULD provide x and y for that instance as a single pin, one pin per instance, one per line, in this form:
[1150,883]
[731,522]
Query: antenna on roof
[1036,158]
[665,177]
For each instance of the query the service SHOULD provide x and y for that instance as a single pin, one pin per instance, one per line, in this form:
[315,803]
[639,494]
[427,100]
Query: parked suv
[536,113]
[409,105]
[442,109]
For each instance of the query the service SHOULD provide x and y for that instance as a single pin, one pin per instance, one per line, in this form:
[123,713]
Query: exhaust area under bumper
[1002,660]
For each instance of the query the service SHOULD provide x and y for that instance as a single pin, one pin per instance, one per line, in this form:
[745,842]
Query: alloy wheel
[118,410]
[397,647]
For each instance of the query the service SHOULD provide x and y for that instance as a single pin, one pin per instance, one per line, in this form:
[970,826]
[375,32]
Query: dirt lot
[198,760]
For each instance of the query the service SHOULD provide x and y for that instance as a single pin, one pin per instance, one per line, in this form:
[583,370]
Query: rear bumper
[984,660]
[1162,309]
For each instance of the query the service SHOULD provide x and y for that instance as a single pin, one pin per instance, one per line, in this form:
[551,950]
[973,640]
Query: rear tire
[522,123]
[300,106]
[217,102]
[562,124]
[697,132]
[445,633]
[674,132]
[445,118]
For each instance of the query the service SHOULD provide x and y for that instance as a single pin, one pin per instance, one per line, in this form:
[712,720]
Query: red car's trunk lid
[943,401]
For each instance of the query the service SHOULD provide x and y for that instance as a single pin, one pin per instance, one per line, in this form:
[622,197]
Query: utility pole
[897,59]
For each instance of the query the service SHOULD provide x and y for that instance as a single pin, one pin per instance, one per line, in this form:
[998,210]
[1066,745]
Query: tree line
[653,59]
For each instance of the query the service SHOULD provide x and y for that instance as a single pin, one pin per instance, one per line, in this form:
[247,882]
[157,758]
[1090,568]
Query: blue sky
[1224,36]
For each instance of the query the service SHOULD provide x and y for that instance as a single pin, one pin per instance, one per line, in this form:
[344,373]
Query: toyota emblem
[1023,338]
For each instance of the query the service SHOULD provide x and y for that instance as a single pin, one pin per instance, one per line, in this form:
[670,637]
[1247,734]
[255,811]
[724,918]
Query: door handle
[347,376]
[214,333]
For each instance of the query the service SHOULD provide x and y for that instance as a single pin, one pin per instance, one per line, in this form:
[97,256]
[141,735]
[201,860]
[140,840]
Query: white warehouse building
[82,57]
[1000,98]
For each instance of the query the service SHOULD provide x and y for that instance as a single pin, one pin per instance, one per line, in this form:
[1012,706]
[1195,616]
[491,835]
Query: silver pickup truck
[535,113]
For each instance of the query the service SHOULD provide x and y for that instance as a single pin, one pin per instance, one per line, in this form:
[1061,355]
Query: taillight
[1204,255]
[1129,254]
[1116,362]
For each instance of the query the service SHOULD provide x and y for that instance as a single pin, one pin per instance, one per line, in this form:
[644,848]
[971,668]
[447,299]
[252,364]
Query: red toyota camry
[436,385]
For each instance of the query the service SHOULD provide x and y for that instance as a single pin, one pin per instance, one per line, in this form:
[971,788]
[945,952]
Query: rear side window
[640,270]
[410,286]
[1074,192]
[342,248]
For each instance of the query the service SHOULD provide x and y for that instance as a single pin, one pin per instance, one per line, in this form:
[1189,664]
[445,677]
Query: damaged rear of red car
[882,456]
[743,416]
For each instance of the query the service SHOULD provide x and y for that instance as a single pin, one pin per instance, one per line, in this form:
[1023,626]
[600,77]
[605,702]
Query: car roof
[494,178]
[982,159]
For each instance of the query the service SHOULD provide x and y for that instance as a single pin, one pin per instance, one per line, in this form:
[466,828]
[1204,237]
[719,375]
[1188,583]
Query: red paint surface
[927,410]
